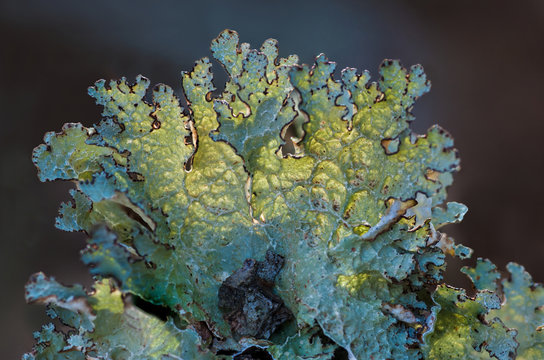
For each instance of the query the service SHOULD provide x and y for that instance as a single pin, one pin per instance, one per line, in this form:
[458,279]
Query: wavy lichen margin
[176,202]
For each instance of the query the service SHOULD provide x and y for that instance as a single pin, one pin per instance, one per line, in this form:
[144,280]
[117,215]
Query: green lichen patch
[175,202]
[522,304]
[113,329]
[461,330]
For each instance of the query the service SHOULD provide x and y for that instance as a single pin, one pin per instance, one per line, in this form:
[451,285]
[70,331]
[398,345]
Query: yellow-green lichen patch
[175,200]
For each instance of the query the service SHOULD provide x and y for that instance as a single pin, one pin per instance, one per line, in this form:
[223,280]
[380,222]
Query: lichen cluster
[293,214]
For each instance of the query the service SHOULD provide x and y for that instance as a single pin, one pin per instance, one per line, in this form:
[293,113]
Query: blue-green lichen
[176,201]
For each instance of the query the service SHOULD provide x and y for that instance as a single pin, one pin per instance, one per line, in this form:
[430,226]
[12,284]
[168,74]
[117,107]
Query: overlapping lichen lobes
[156,209]
[253,107]
[174,201]
[114,331]
[460,331]
[306,344]
[341,188]
[523,310]
[523,301]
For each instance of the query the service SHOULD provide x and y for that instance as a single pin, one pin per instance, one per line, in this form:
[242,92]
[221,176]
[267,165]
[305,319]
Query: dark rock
[251,307]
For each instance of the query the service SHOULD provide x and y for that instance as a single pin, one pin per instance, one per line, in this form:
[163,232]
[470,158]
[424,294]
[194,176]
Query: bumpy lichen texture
[177,201]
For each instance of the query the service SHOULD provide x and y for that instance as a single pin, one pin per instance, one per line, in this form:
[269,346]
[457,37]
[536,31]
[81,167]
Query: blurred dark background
[485,59]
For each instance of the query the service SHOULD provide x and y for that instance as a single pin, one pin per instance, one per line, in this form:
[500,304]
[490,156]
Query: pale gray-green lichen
[176,202]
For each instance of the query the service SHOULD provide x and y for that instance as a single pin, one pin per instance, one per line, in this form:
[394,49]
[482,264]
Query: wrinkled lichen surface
[292,216]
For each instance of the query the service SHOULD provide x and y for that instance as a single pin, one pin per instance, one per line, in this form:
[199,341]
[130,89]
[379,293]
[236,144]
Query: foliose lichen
[293,214]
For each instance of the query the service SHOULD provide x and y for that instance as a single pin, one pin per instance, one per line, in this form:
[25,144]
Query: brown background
[485,59]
